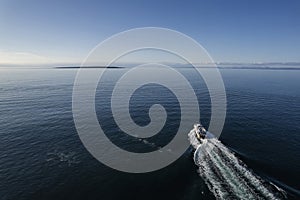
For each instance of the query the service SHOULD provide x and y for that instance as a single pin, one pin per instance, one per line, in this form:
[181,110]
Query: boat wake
[226,176]
[59,158]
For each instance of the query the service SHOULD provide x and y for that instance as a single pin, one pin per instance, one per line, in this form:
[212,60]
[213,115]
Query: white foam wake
[226,176]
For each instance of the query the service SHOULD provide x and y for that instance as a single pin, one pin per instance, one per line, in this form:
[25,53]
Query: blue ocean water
[42,157]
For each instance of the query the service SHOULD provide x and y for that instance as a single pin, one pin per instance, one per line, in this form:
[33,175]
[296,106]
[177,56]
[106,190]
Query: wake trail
[226,176]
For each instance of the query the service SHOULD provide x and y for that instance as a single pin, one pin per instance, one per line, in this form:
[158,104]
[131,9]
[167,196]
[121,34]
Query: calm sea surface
[42,157]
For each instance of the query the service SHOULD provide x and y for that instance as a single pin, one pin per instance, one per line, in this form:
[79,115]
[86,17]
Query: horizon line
[75,64]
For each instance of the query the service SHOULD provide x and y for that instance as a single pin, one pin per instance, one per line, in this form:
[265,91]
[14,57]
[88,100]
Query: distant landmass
[270,66]
[219,65]
[92,67]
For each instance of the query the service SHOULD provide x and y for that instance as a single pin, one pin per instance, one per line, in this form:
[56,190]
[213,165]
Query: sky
[65,31]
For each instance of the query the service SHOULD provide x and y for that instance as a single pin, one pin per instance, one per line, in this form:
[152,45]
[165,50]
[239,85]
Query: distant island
[89,67]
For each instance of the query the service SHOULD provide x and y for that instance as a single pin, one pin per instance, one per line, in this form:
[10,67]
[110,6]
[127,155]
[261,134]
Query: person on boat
[199,131]
[198,135]
[202,133]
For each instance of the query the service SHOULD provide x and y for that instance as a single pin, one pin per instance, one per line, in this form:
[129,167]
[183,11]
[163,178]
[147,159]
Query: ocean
[42,156]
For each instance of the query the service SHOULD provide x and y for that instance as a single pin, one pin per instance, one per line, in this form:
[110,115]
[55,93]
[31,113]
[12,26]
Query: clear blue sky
[232,31]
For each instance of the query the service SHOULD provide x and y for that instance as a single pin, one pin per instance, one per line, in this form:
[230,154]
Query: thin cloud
[20,58]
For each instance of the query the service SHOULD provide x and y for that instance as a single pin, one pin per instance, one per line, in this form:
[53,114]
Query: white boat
[199,136]
[200,132]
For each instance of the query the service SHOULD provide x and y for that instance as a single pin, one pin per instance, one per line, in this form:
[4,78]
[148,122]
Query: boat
[200,132]
[199,136]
